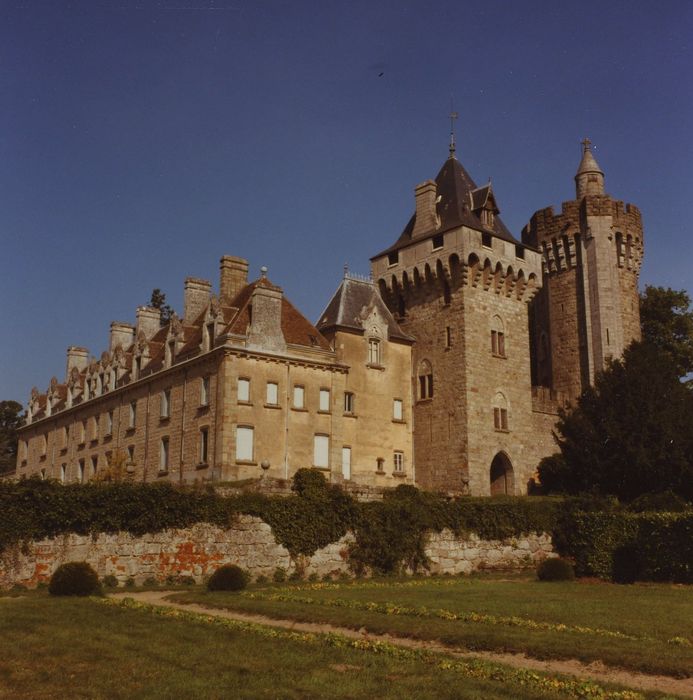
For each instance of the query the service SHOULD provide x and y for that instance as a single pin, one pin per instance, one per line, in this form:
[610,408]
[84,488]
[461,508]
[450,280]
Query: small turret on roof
[589,178]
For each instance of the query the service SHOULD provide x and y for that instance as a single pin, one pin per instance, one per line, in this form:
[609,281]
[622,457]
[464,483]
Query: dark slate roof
[458,193]
[346,308]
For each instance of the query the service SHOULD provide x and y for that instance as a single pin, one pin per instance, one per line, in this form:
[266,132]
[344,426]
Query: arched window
[425,380]
[500,412]
[497,337]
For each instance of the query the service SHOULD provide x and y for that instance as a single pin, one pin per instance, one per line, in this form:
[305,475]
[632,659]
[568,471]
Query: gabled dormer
[483,205]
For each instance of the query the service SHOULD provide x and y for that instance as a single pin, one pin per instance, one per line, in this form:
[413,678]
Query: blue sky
[140,141]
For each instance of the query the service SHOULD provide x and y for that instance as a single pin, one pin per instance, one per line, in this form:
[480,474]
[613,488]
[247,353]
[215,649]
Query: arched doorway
[502,481]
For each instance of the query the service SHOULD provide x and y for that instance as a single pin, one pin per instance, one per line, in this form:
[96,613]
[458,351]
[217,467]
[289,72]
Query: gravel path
[596,670]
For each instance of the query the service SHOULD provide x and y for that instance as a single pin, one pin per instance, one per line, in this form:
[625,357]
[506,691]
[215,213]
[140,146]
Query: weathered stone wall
[197,551]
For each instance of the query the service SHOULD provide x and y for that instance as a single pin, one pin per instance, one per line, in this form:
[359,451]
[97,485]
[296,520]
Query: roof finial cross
[453,115]
[586,143]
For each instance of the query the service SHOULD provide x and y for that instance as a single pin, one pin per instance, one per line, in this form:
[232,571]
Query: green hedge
[390,534]
[652,546]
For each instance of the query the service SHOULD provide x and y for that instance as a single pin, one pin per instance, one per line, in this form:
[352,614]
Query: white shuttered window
[321,451]
[244,444]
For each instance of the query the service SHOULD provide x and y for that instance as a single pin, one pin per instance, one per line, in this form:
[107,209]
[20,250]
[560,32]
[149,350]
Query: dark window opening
[393,258]
[438,241]
[486,239]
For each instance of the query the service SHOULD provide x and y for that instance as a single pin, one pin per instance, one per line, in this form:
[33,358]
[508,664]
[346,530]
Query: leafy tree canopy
[630,434]
[666,320]
[11,418]
[158,301]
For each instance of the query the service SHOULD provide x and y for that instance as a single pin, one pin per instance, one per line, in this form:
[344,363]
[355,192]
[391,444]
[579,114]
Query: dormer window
[373,351]
[209,336]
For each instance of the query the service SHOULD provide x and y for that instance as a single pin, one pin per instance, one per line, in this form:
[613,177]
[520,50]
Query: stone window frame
[205,387]
[268,402]
[203,444]
[165,404]
[398,463]
[425,383]
[498,344]
[243,389]
[322,392]
[164,454]
[132,415]
[395,418]
[245,459]
[501,413]
[375,356]
[299,390]
[321,443]
[349,403]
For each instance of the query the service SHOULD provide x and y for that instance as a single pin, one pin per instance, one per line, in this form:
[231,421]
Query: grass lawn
[626,626]
[86,648]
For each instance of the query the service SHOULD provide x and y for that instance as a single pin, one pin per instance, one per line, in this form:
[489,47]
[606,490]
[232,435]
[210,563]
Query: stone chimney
[196,298]
[122,334]
[234,276]
[148,320]
[265,332]
[76,357]
[426,217]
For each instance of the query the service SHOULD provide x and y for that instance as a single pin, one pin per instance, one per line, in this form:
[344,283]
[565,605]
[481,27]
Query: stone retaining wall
[197,551]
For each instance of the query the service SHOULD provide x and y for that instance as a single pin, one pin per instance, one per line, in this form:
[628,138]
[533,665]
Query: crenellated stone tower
[588,308]
[459,283]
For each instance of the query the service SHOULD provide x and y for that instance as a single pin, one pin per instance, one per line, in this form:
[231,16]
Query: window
[138,367]
[299,397]
[272,396]
[43,475]
[321,451]
[244,444]
[397,412]
[486,240]
[497,337]
[131,454]
[348,402]
[109,423]
[95,428]
[500,412]
[132,414]
[204,444]
[165,406]
[210,336]
[83,432]
[204,391]
[324,399]
[520,252]
[63,438]
[398,462]
[447,297]
[163,455]
[170,352]
[380,465]
[373,351]
[438,241]
[448,337]
[425,380]
[43,445]
[80,471]
[393,258]
[94,464]
[243,390]
[346,462]
[62,473]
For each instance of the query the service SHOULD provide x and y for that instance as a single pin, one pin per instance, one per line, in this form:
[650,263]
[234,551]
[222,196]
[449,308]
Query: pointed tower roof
[588,164]
[458,198]
[589,178]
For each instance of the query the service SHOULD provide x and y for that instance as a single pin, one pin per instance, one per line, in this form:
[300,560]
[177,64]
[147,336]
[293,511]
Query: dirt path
[596,670]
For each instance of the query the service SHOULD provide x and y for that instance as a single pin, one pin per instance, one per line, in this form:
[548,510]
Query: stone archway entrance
[502,478]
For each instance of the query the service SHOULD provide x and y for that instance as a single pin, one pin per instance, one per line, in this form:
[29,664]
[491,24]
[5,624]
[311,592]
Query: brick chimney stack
[148,320]
[122,334]
[234,276]
[195,298]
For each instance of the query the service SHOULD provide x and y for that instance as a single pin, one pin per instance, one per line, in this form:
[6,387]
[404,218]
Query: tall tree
[11,419]
[158,301]
[632,432]
[666,320]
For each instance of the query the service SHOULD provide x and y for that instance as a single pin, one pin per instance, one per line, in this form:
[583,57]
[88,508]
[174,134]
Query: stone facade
[446,369]
[196,552]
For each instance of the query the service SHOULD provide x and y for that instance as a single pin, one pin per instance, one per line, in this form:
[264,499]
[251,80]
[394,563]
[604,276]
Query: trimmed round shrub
[555,569]
[74,578]
[228,578]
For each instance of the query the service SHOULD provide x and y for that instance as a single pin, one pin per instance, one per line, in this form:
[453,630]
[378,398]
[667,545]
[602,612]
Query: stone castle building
[445,369]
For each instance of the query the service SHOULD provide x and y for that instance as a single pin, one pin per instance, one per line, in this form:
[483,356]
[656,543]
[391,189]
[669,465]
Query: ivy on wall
[390,534]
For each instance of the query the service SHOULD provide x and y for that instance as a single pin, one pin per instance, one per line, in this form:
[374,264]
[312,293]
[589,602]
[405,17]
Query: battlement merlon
[545,224]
